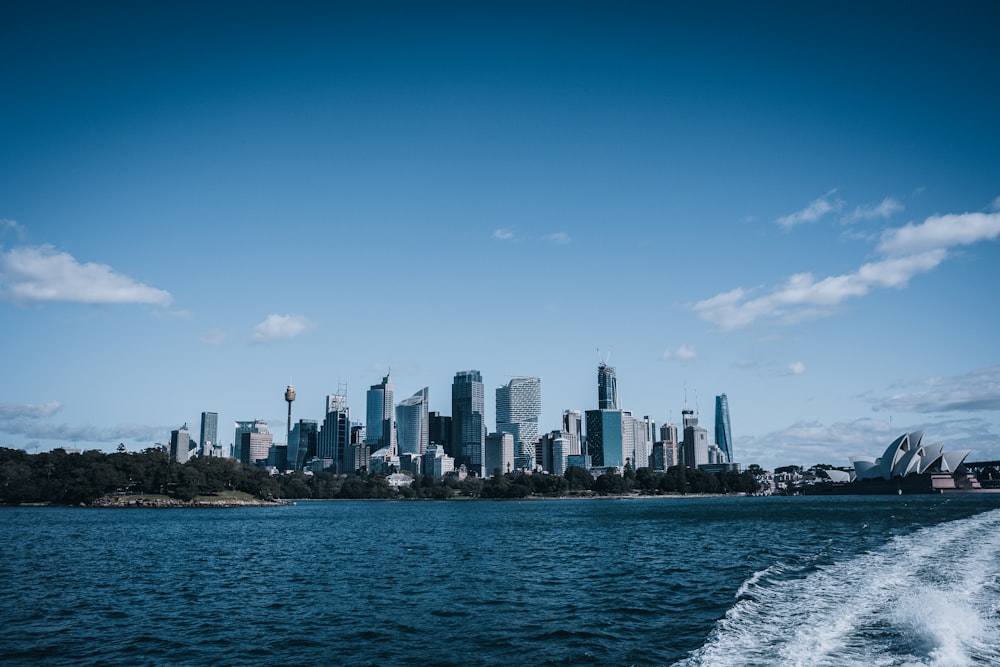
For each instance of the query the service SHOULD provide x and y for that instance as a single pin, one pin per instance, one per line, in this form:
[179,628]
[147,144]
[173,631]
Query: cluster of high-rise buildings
[407,436]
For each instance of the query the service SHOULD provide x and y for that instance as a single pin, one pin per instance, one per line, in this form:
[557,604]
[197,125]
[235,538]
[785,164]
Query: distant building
[605,438]
[439,431]
[180,443]
[607,388]
[254,447]
[665,455]
[573,428]
[695,448]
[303,442]
[436,463]
[554,450]
[412,424]
[519,405]
[468,425]
[723,432]
[356,458]
[210,434]
[335,433]
[277,457]
[499,452]
[243,427]
[379,422]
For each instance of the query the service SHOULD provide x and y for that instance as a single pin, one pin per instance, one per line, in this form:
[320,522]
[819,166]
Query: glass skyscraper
[723,432]
[335,433]
[412,424]
[210,434]
[607,388]
[468,427]
[379,425]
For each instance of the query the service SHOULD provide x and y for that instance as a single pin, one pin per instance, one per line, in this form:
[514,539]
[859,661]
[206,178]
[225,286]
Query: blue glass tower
[723,432]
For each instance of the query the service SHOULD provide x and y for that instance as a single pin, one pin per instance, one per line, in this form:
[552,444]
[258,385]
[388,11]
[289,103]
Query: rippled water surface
[700,581]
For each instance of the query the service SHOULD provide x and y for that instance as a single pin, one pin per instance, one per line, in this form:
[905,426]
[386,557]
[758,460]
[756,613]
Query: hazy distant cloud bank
[27,410]
[682,353]
[280,327]
[40,274]
[906,252]
[976,391]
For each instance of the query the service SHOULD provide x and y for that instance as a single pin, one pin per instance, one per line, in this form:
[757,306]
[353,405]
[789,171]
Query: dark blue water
[704,581]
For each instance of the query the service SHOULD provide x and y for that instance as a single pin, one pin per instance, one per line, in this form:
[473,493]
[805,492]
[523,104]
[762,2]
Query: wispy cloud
[11,226]
[940,232]
[682,353]
[28,410]
[816,209]
[977,391]
[907,252]
[887,208]
[996,204]
[796,368]
[40,274]
[559,238]
[214,337]
[503,234]
[280,327]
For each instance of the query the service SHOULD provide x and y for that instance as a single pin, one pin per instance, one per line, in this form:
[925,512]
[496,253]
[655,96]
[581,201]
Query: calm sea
[697,581]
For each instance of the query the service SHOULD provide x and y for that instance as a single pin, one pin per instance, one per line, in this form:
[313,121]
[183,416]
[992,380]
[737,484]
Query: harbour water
[690,581]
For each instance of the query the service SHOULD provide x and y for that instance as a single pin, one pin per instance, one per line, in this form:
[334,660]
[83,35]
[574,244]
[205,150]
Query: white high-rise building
[519,405]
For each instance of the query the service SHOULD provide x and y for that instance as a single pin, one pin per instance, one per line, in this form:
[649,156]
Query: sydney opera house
[907,466]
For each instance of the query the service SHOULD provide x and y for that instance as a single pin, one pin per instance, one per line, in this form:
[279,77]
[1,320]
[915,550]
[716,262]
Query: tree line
[72,479]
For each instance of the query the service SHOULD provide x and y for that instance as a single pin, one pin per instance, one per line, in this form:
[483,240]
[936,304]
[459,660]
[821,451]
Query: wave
[930,598]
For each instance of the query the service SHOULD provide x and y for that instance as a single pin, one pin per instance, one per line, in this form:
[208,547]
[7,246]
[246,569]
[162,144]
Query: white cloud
[503,234]
[682,353]
[813,212]
[280,327]
[214,337]
[27,410]
[39,274]
[796,368]
[11,226]
[996,204]
[559,238]
[941,232]
[977,391]
[886,209]
[906,252]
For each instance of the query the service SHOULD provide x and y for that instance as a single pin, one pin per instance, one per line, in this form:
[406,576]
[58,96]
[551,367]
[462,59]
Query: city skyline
[796,206]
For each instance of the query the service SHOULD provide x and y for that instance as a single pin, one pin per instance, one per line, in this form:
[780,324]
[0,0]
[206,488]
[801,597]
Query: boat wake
[930,598]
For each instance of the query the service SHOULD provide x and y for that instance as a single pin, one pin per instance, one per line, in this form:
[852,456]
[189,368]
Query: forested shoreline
[65,478]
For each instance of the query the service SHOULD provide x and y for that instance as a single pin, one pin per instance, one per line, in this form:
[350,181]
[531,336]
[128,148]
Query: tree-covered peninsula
[93,477]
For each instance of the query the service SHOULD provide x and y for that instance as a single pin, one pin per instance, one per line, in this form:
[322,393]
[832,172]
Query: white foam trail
[925,599]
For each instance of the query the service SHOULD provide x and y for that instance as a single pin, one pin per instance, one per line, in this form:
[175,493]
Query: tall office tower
[695,447]
[335,433]
[723,432]
[439,431]
[468,426]
[605,438]
[306,438]
[668,433]
[519,404]
[180,444]
[499,454]
[258,426]
[412,430]
[573,428]
[379,424]
[210,434]
[607,388]
[642,445]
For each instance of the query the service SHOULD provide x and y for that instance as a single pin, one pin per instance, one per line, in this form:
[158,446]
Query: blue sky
[798,206]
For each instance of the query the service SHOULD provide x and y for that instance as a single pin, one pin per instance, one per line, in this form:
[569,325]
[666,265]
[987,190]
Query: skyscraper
[379,426]
[210,434]
[607,388]
[468,427]
[258,426]
[519,404]
[412,424]
[305,439]
[606,438]
[695,447]
[180,442]
[439,431]
[723,432]
[335,433]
